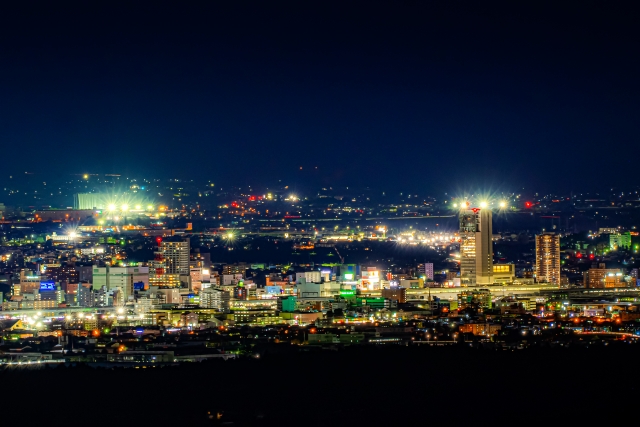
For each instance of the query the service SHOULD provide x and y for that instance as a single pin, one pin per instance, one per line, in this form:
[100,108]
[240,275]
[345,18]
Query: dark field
[353,386]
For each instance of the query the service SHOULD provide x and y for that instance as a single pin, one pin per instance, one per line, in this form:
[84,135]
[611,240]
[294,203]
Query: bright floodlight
[124,208]
[72,235]
[503,204]
[483,204]
[150,207]
[138,207]
[455,205]
[111,207]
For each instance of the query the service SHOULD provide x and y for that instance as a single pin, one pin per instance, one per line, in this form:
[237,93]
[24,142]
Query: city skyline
[284,213]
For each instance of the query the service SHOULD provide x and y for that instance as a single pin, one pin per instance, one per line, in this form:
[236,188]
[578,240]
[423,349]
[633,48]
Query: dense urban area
[179,275]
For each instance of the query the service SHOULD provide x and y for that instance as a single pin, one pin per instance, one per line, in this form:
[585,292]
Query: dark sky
[394,95]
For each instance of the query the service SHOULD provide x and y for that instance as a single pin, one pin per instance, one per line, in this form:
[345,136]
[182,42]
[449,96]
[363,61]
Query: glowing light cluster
[480,203]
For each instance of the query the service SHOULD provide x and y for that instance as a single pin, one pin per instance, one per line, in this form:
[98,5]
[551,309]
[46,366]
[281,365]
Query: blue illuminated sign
[138,286]
[47,286]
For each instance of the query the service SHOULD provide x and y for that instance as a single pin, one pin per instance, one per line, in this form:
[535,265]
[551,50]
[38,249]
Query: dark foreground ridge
[353,386]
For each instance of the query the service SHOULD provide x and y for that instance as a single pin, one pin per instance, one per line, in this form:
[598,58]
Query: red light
[252,198]
[475,210]
[234,204]
[578,255]
[528,205]
[591,256]
[159,240]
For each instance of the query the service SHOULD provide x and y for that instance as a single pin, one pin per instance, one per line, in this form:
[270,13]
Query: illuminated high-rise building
[548,258]
[170,268]
[476,247]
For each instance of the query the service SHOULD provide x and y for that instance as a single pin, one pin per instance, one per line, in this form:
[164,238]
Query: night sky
[395,96]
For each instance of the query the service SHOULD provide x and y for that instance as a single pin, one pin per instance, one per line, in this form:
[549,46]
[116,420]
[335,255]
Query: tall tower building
[476,247]
[548,258]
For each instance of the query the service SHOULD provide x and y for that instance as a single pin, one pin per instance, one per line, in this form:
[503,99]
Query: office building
[395,294]
[238,268]
[62,273]
[602,277]
[476,247]
[548,258]
[29,282]
[216,299]
[124,279]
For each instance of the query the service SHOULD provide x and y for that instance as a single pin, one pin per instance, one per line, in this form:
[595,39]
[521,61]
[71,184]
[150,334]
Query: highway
[58,311]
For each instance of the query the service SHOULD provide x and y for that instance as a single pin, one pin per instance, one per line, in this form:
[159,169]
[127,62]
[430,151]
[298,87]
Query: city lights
[426,213]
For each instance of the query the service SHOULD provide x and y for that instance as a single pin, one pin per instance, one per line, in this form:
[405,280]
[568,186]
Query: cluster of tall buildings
[477,267]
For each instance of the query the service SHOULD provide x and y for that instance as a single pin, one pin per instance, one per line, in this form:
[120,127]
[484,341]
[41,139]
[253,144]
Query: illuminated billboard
[47,286]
